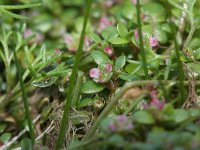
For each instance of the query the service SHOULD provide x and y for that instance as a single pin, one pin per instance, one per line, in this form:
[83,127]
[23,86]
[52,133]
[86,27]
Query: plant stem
[77,89]
[68,100]
[145,68]
[180,69]
[25,99]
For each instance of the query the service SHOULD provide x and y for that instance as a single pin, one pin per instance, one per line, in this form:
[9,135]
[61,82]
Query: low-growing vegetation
[99,74]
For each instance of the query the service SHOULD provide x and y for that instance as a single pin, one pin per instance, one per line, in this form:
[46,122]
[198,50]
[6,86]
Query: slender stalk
[68,100]
[25,99]
[180,70]
[115,99]
[145,68]
[77,89]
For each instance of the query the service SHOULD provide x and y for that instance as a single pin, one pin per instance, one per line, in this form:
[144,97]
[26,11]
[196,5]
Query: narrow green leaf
[5,12]
[20,6]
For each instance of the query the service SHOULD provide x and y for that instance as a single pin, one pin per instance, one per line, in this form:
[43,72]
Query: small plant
[121,75]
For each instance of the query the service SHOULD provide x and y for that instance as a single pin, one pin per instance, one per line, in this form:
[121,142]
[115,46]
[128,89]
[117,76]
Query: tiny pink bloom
[122,118]
[108,50]
[109,67]
[154,100]
[87,41]
[129,126]
[134,2]
[104,23]
[39,38]
[112,126]
[153,42]
[68,39]
[57,51]
[94,73]
[109,3]
[28,33]
[157,103]
[136,34]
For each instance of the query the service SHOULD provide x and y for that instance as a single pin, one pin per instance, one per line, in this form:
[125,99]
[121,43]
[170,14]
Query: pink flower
[122,118]
[134,2]
[153,42]
[95,73]
[28,33]
[136,34]
[112,127]
[109,67]
[57,51]
[68,39]
[36,39]
[108,50]
[104,23]
[158,104]
[121,123]
[154,100]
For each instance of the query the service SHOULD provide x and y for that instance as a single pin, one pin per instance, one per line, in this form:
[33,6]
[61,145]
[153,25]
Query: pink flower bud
[108,50]
[154,100]
[109,67]
[112,127]
[122,118]
[68,39]
[134,2]
[94,73]
[104,23]
[57,51]
[153,42]
[28,33]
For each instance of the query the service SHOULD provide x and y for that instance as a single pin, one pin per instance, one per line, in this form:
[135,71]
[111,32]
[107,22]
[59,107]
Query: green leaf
[45,82]
[134,67]
[26,144]
[78,117]
[20,6]
[100,58]
[161,34]
[155,10]
[5,12]
[85,102]
[143,117]
[180,115]
[2,127]
[194,112]
[95,37]
[122,30]
[128,77]
[120,62]
[5,137]
[118,41]
[109,32]
[90,87]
